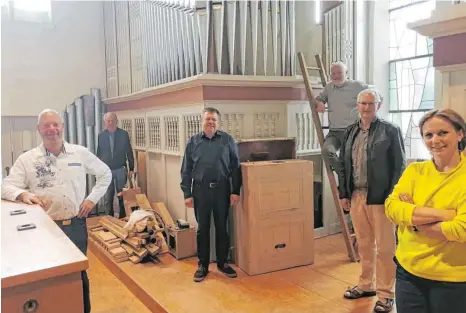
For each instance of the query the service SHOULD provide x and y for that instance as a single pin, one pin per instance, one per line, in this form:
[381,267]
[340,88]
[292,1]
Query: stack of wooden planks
[121,244]
[108,242]
[144,240]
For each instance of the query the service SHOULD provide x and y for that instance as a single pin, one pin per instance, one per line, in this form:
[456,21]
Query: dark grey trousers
[77,232]
[119,178]
[418,295]
[332,144]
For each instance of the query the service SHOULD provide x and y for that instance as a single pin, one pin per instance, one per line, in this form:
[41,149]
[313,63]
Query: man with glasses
[340,95]
[372,159]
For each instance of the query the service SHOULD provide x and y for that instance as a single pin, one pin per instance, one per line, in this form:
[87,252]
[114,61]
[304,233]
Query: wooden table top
[35,254]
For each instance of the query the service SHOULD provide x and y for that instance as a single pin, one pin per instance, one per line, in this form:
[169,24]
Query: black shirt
[210,160]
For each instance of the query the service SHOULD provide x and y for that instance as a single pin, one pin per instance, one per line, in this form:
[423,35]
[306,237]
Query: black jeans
[77,232]
[418,295]
[214,201]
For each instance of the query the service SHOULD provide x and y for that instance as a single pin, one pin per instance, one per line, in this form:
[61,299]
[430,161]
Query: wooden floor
[168,286]
[108,294]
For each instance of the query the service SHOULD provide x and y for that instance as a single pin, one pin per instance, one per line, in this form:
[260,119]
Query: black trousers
[77,232]
[214,201]
[418,295]
[119,178]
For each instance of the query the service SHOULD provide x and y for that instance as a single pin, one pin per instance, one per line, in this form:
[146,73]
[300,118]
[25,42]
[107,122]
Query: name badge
[74,164]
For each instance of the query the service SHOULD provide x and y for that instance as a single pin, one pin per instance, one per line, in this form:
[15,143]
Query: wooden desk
[39,266]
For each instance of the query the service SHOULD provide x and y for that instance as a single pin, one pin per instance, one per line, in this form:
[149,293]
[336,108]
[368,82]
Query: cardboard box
[274,224]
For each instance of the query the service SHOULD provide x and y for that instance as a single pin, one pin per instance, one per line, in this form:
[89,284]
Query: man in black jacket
[114,149]
[211,182]
[372,160]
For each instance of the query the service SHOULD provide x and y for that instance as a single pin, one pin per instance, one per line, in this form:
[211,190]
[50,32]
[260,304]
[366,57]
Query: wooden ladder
[350,239]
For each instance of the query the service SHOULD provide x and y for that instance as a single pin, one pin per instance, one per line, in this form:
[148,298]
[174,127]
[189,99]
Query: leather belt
[213,185]
[66,222]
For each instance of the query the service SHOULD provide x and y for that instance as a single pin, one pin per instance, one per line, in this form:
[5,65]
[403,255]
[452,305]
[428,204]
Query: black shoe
[200,274]
[227,270]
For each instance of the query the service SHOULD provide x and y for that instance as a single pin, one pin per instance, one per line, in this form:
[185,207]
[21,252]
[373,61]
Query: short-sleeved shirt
[341,102]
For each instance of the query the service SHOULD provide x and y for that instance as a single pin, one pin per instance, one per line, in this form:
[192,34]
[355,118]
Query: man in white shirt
[53,176]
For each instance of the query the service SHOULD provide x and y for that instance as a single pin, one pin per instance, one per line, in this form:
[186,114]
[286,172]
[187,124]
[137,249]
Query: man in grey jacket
[114,149]
[340,95]
[372,160]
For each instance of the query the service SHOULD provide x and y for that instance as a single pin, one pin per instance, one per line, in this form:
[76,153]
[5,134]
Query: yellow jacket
[417,253]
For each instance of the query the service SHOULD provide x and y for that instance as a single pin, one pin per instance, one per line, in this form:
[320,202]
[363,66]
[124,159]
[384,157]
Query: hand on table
[31,198]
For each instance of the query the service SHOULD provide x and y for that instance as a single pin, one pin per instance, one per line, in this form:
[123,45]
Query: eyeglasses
[368,103]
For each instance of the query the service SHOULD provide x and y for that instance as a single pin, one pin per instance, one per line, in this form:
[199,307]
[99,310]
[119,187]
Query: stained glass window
[412,75]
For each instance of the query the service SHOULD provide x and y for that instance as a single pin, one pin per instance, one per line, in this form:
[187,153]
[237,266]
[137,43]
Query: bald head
[111,121]
[48,112]
[50,126]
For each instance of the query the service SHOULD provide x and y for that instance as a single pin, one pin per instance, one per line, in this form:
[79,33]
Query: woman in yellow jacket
[429,206]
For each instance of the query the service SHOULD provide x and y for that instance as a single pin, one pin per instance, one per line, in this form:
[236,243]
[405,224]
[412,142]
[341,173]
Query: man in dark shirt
[114,149]
[211,182]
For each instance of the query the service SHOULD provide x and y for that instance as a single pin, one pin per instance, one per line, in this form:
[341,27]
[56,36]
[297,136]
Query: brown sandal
[381,307]
[356,293]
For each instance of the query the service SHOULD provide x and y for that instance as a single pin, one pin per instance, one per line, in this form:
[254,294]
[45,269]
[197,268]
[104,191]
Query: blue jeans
[418,295]
[77,232]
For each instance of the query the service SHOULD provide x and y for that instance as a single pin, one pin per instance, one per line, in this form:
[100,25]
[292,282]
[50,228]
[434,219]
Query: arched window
[411,88]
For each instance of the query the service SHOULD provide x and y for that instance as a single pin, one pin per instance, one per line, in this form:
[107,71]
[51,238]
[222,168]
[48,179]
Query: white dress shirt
[60,180]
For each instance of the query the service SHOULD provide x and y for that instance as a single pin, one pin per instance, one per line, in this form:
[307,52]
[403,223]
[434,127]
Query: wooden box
[182,242]
[41,267]
[274,223]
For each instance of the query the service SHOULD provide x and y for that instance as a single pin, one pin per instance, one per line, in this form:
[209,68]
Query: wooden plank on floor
[302,289]
[105,288]
[137,290]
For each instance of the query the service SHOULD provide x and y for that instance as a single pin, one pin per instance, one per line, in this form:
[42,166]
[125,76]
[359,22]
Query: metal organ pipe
[72,130]
[174,39]
[64,117]
[80,128]
[98,113]
[89,125]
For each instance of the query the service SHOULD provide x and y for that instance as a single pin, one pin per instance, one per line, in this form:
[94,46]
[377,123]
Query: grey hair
[48,111]
[110,114]
[374,93]
[339,64]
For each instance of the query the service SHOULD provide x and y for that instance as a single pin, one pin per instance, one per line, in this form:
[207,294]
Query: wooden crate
[274,223]
[182,242]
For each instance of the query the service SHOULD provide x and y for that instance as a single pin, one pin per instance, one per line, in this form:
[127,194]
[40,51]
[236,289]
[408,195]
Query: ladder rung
[313,68]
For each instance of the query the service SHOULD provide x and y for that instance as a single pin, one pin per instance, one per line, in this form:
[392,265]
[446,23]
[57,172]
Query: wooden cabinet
[274,224]
[41,267]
